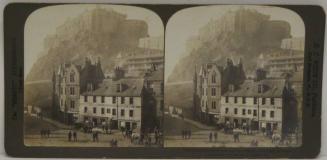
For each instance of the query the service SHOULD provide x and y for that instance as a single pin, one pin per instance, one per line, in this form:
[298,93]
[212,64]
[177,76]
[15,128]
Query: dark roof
[272,88]
[92,72]
[130,87]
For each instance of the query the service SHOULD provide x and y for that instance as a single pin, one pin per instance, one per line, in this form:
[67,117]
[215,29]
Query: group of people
[45,133]
[213,136]
[72,136]
[186,133]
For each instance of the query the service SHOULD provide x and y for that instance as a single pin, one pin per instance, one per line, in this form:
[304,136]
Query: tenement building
[210,82]
[267,104]
[68,82]
[119,101]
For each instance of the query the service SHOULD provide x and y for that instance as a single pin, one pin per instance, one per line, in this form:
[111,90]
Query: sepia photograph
[234,77]
[93,77]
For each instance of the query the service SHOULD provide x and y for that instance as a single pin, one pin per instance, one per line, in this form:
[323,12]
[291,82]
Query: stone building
[121,102]
[155,85]
[261,103]
[290,58]
[116,102]
[141,61]
[68,82]
[210,82]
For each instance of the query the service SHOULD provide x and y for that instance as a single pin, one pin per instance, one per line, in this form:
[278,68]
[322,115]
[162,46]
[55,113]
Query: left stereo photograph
[93,76]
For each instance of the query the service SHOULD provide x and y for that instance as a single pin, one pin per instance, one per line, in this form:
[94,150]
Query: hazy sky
[44,21]
[187,22]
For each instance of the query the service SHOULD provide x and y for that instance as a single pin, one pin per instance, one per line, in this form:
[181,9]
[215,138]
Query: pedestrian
[69,136]
[182,131]
[247,129]
[210,136]
[93,136]
[97,136]
[238,137]
[75,136]
[215,135]
[48,133]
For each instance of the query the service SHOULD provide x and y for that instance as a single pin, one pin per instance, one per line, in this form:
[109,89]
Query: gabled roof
[271,88]
[130,87]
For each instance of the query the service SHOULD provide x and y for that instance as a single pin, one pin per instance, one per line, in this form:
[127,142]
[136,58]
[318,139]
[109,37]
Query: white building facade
[117,103]
[258,104]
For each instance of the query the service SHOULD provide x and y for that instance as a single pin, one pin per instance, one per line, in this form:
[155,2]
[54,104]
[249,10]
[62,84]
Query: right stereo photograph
[234,77]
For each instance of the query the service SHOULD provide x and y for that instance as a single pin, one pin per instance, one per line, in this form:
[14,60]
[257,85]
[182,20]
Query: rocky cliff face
[238,34]
[97,32]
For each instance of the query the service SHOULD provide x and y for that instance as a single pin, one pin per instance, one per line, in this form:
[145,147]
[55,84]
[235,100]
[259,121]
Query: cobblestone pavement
[60,138]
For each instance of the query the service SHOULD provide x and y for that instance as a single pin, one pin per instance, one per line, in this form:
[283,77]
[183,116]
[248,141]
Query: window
[249,111]
[263,113]
[108,110]
[85,98]
[272,114]
[122,112]
[243,100]
[61,90]
[131,100]
[235,110]
[72,90]
[94,110]
[202,91]
[72,104]
[263,101]
[72,77]
[226,99]
[254,112]
[255,100]
[235,99]
[113,100]
[102,110]
[122,100]
[213,91]
[243,111]
[102,99]
[85,109]
[272,101]
[213,78]
[226,110]
[131,113]
[113,111]
[94,99]
[213,105]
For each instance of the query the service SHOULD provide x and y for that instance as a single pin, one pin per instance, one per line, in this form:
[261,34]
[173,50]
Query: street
[60,138]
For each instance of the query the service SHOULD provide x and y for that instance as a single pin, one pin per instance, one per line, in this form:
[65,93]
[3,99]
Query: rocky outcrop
[98,32]
[243,33]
